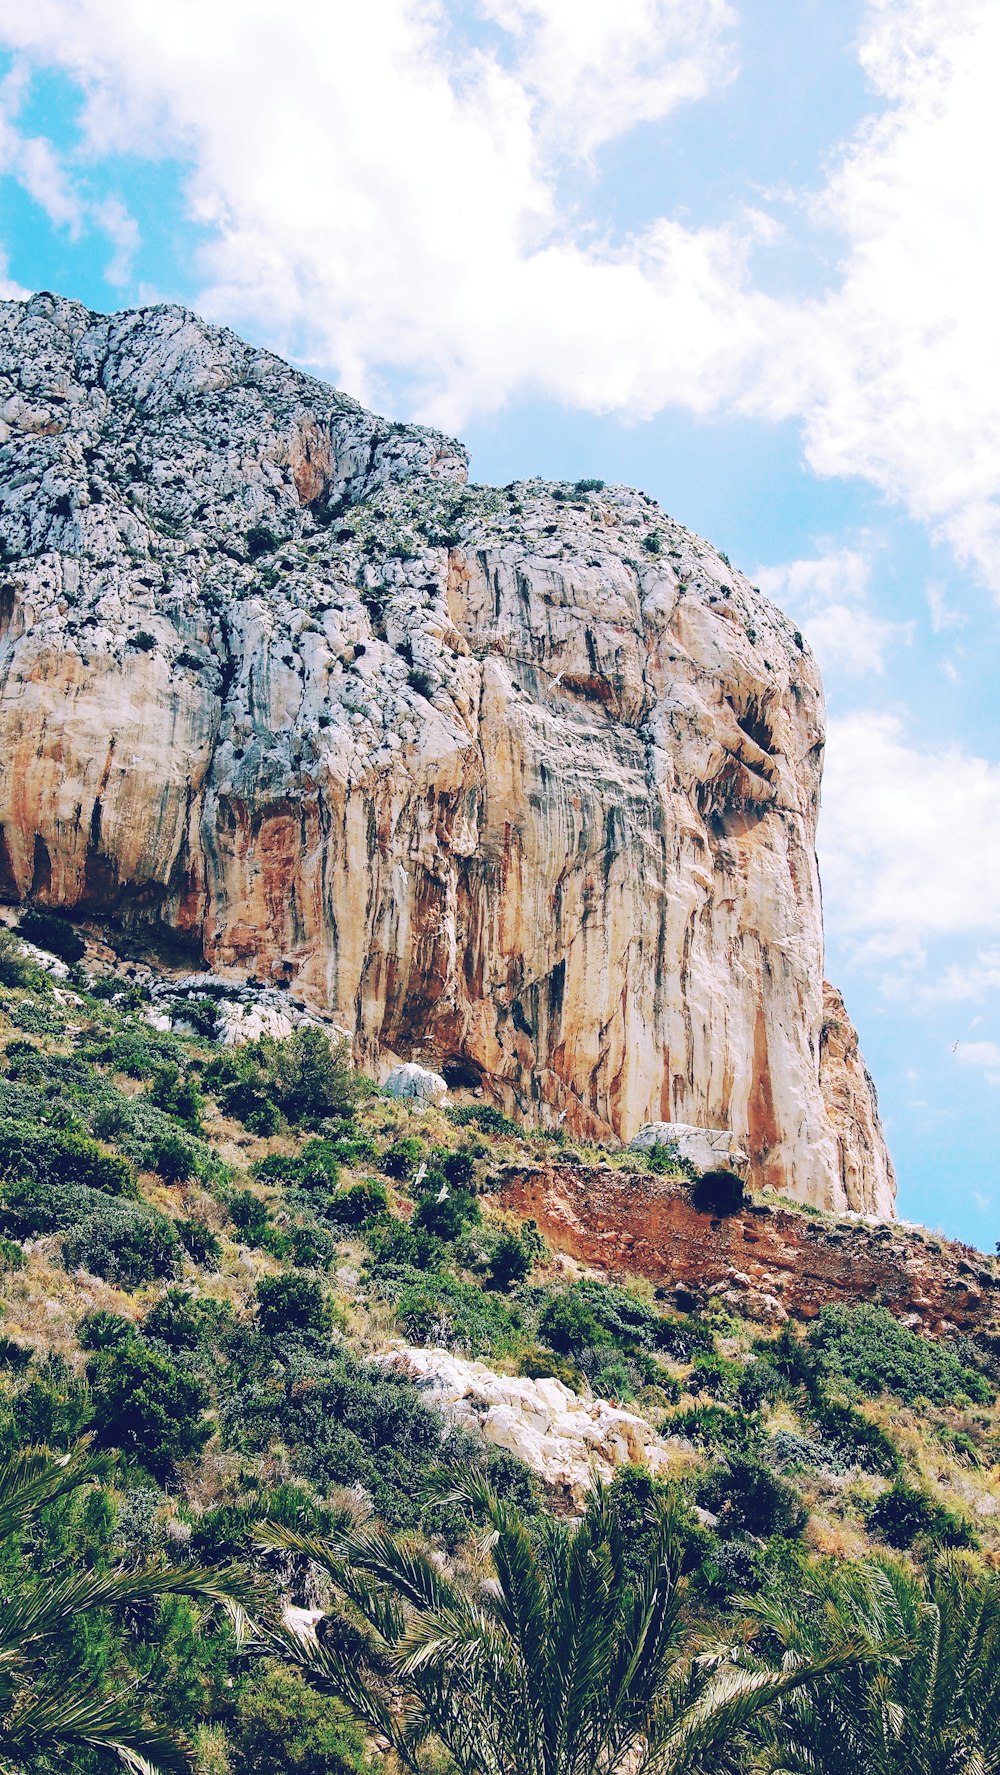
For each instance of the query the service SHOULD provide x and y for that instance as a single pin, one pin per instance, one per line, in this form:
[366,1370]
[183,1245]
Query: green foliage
[401,1160]
[305,1078]
[514,1255]
[360,1206]
[291,1303]
[177,1094]
[482,1116]
[124,1243]
[438,1309]
[442,1212]
[750,1499]
[63,1157]
[866,1346]
[907,1513]
[200,1243]
[283,1723]
[571,1661]
[147,1405]
[568,1325]
[16,968]
[171,1157]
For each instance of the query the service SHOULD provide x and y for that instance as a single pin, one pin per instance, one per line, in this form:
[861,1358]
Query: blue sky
[742,255]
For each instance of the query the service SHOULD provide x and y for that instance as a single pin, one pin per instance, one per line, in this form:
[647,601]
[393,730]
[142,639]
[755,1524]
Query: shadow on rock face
[718,1193]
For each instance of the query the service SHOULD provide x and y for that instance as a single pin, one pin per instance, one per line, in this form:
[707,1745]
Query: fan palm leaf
[563,1662]
[37,1617]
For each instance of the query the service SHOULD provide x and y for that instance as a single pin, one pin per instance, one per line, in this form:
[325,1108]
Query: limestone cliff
[518,782]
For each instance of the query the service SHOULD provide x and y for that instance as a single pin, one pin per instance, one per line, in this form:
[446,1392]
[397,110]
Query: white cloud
[943,615]
[826,594]
[42,172]
[377,197]
[382,196]
[984,1055]
[909,840]
[10,291]
[594,70]
[904,384]
[969,980]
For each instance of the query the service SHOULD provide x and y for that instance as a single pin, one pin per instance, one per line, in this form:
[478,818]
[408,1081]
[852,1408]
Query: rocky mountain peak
[521,783]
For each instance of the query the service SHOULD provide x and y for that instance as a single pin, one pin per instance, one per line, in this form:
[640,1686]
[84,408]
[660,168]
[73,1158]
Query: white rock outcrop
[417,1082]
[562,1437]
[521,782]
[708,1149]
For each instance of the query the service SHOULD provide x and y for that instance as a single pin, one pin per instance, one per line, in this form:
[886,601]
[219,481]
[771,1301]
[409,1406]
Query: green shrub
[444,1213]
[63,1157]
[146,1405]
[136,1050]
[250,1216]
[749,1499]
[305,1077]
[311,1247]
[402,1160]
[437,1309]
[568,1325]
[358,1206]
[186,1321]
[291,1303]
[458,1168]
[315,1167]
[101,1330]
[540,1364]
[11,1256]
[53,934]
[16,968]
[514,1255]
[482,1116]
[906,1513]
[708,1426]
[124,1243]
[177,1095]
[282,1723]
[171,1157]
[868,1347]
[858,1441]
[200,1243]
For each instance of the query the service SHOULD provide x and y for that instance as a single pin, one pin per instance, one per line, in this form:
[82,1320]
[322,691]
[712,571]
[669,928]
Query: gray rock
[708,1149]
[417,1082]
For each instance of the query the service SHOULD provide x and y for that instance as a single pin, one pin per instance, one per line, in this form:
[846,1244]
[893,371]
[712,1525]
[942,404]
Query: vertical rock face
[866,1172]
[518,783]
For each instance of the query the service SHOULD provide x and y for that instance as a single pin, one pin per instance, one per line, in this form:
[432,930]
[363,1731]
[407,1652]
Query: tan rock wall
[521,784]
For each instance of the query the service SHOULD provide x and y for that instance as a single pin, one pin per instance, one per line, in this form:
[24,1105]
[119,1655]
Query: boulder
[707,1149]
[416,1082]
[564,1438]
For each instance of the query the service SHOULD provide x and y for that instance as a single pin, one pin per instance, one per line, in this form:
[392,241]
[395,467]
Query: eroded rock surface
[520,784]
[562,1437]
[707,1149]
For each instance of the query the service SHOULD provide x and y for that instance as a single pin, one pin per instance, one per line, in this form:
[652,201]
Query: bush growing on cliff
[148,1406]
[305,1078]
[123,1243]
[907,1513]
[866,1346]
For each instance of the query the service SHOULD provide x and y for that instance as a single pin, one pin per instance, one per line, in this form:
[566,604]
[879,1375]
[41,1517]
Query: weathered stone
[562,1437]
[868,1181]
[707,1149]
[518,783]
[415,1081]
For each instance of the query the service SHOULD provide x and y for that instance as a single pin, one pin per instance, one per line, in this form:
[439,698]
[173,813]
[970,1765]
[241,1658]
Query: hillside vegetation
[204,1250]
